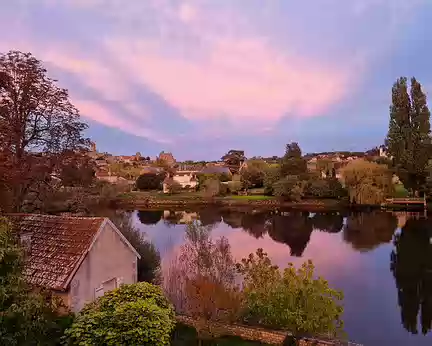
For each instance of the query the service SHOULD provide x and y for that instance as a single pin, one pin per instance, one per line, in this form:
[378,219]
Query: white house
[186,178]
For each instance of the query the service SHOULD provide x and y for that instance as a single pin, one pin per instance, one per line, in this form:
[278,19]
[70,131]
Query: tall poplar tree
[408,139]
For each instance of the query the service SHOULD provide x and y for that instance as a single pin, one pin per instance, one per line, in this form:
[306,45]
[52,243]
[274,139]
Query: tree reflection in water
[411,265]
[150,217]
[293,229]
[328,222]
[366,231]
[255,224]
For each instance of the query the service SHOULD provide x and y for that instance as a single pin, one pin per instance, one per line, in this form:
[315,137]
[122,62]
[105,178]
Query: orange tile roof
[57,247]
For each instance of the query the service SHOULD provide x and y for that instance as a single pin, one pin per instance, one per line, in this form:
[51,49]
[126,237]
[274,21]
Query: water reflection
[351,250]
[366,231]
[411,265]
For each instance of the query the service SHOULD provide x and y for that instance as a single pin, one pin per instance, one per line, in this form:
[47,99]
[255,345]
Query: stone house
[78,258]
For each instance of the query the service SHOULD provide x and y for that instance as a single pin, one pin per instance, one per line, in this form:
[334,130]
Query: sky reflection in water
[355,253]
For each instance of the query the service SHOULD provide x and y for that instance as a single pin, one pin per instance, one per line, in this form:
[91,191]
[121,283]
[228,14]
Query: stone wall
[272,337]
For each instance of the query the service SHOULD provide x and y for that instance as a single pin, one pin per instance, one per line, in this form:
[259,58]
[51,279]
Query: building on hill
[72,256]
[168,158]
[234,159]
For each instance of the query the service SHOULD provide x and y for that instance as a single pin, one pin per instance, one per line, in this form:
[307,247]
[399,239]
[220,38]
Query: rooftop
[58,244]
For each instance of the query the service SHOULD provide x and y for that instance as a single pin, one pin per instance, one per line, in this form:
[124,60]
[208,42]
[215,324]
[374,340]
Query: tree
[299,234]
[78,171]
[174,186]
[211,187]
[137,314]
[201,281]
[292,162]
[367,231]
[271,175]
[408,138]
[253,174]
[150,217]
[289,188]
[367,182]
[39,126]
[149,263]
[291,299]
[25,314]
[149,181]
[411,265]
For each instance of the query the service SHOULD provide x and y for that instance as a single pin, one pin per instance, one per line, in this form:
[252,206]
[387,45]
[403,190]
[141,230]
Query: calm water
[381,261]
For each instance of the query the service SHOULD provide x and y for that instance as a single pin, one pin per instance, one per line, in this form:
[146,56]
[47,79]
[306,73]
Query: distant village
[185,173]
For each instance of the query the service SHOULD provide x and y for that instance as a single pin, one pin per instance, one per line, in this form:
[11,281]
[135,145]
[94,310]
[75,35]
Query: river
[381,261]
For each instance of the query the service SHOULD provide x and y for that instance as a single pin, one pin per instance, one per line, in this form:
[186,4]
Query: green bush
[289,188]
[137,314]
[325,188]
[149,181]
[235,186]
[271,175]
[290,299]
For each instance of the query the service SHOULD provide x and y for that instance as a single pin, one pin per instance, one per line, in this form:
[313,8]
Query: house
[187,179]
[213,169]
[73,256]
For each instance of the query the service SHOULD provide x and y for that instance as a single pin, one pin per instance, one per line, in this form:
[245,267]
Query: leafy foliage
[292,162]
[289,188]
[408,135]
[40,129]
[271,176]
[324,188]
[367,182]
[211,187]
[25,314]
[290,299]
[149,263]
[149,181]
[201,281]
[137,314]
[253,174]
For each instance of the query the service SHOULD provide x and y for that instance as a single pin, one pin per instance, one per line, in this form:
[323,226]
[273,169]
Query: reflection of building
[179,217]
[72,256]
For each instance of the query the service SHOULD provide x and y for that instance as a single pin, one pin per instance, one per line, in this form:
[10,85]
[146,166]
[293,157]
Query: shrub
[174,186]
[271,176]
[289,188]
[149,181]
[211,187]
[318,188]
[235,186]
[27,316]
[290,299]
[137,314]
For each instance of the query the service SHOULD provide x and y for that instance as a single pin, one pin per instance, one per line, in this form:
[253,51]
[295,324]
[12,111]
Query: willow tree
[367,182]
[408,138]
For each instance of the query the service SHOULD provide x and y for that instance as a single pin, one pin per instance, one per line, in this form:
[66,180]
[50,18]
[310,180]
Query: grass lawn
[251,197]
[400,191]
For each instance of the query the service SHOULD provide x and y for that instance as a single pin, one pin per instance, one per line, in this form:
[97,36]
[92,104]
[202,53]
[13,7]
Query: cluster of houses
[233,162]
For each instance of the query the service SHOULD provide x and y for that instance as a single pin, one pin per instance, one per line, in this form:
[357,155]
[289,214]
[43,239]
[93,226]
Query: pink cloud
[244,78]
[103,115]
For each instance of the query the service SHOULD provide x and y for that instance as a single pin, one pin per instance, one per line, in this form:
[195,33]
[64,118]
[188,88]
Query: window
[107,286]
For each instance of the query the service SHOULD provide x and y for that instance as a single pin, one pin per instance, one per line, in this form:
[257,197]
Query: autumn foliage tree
[39,126]
[201,281]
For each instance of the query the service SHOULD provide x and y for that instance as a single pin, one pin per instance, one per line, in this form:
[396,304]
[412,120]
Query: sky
[201,77]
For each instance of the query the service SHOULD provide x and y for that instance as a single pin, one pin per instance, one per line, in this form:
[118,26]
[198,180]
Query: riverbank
[144,200]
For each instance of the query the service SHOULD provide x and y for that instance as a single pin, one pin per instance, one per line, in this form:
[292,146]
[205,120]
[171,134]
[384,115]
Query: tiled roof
[58,244]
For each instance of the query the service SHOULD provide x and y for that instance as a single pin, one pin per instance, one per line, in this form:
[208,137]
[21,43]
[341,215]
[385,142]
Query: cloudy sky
[200,77]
